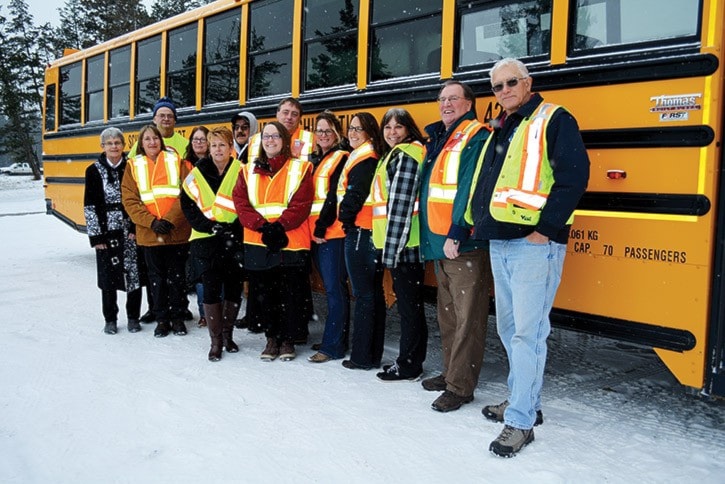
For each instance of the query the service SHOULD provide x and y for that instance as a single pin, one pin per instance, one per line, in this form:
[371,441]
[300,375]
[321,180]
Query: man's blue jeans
[526,277]
[330,261]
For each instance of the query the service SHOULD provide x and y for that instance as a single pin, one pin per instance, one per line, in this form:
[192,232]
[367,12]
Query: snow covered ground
[78,406]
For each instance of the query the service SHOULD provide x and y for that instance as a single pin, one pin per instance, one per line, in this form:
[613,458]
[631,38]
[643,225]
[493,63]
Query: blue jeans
[329,259]
[526,277]
[366,277]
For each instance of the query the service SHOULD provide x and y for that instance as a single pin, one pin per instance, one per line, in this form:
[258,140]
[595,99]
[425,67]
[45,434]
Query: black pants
[408,287]
[167,278]
[280,294]
[222,282]
[109,300]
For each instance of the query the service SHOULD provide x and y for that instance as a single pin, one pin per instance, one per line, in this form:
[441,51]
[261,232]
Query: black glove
[223,229]
[162,226]
[274,236]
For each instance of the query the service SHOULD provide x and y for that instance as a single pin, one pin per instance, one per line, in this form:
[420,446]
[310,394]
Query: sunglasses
[510,83]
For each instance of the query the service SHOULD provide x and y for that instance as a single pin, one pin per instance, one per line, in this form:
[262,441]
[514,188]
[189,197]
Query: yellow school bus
[644,79]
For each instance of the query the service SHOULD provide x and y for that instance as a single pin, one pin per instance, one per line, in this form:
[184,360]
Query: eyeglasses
[113,143]
[241,127]
[198,140]
[267,137]
[165,116]
[451,99]
[510,83]
[357,129]
[324,132]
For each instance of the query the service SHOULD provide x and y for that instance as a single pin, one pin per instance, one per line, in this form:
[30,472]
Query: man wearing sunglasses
[531,174]
[244,126]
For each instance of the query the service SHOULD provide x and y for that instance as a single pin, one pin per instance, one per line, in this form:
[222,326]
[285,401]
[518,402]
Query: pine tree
[163,9]
[21,85]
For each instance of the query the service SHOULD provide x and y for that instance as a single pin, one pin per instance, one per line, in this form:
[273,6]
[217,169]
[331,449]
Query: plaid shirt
[403,181]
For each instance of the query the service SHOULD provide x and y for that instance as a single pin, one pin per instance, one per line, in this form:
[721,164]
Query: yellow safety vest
[218,207]
[526,177]
[380,193]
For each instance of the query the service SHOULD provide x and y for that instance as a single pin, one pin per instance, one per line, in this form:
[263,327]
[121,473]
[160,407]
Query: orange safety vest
[364,218]
[305,137]
[322,186]
[444,177]
[270,196]
[159,182]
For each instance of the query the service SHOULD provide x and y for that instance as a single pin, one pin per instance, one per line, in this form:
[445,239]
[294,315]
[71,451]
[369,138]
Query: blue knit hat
[165,102]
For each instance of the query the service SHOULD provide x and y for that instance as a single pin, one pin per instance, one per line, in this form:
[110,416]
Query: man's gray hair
[508,61]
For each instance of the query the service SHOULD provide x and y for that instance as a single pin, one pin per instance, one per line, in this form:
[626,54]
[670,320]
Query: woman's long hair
[190,155]
[370,126]
[404,118]
[262,159]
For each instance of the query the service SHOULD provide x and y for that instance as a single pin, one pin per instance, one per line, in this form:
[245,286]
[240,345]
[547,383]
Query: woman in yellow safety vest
[216,237]
[197,149]
[355,212]
[396,235]
[150,192]
[328,248]
[273,197]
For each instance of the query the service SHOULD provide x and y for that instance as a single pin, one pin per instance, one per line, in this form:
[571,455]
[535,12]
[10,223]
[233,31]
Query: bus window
[270,48]
[330,43]
[181,66]
[148,74]
[50,107]
[520,29]
[95,67]
[119,86]
[406,38]
[70,94]
[601,23]
[221,57]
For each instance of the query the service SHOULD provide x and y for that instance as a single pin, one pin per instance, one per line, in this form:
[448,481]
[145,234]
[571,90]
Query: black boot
[162,329]
[110,327]
[213,315]
[230,311]
[148,317]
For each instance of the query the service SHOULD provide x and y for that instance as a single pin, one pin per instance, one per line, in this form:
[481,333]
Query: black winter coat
[223,251]
[108,223]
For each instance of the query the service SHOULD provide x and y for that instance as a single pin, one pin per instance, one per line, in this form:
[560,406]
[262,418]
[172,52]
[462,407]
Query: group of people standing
[484,204]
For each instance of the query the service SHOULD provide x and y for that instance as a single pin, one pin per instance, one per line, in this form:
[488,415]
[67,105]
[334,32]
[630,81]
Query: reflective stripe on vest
[364,218]
[270,197]
[217,207]
[159,183]
[526,177]
[304,136]
[322,186]
[380,193]
[443,184]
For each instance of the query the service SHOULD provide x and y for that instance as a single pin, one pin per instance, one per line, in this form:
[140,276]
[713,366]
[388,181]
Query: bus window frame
[373,27]
[631,50]
[476,7]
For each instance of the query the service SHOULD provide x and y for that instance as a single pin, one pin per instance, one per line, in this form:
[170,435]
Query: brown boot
[271,351]
[230,311]
[213,314]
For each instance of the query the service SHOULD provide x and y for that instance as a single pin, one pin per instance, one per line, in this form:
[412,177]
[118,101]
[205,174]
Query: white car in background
[17,169]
